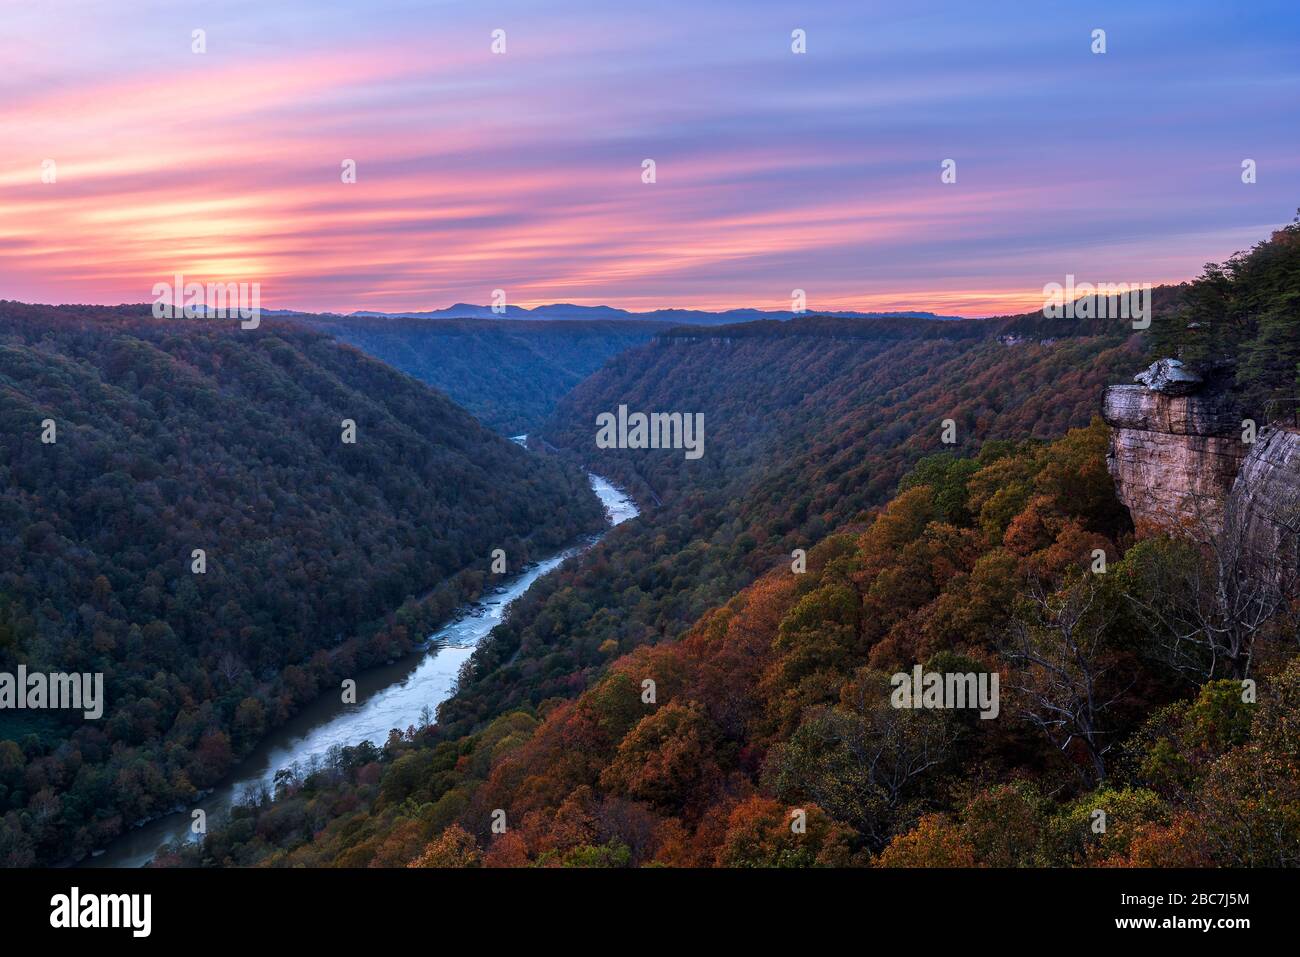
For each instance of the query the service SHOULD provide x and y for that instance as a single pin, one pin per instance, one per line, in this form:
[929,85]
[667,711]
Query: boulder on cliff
[1169,377]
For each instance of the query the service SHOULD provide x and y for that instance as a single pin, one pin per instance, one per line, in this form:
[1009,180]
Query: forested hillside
[510,374]
[1243,317]
[778,704]
[821,417]
[1144,684]
[802,434]
[321,556]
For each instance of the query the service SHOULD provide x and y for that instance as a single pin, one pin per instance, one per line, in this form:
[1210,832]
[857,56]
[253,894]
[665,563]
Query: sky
[127,157]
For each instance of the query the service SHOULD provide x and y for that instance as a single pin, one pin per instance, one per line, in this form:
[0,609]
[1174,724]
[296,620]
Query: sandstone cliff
[1265,498]
[1174,458]
[1180,463]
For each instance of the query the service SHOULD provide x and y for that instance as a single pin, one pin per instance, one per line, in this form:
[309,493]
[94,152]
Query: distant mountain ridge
[508,373]
[701,317]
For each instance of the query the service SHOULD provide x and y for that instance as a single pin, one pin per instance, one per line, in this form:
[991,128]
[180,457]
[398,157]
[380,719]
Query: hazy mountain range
[565,310]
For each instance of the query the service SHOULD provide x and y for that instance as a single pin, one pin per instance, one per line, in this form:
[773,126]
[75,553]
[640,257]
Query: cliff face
[1174,458]
[1179,463]
[1265,499]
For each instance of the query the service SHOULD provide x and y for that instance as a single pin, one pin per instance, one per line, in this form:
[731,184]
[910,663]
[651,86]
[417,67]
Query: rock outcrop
[1174,453]
[1180,464]
[1170,377]
[1265,498]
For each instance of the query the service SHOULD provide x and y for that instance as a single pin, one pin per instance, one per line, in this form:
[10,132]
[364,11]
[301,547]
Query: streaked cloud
[523,171]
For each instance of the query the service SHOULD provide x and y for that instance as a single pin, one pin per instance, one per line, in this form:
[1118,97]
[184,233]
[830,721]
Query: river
[391,696]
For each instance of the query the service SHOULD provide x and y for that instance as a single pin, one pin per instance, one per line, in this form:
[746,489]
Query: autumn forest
[703,675]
